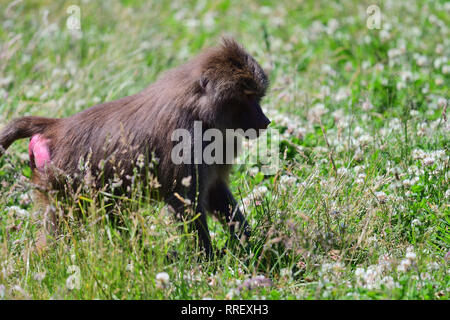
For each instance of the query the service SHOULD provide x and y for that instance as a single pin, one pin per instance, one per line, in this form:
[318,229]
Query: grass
[359,208]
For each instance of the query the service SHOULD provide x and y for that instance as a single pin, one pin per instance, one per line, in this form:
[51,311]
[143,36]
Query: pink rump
[39,152]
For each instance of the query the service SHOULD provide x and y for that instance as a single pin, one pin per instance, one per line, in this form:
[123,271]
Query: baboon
[221,87]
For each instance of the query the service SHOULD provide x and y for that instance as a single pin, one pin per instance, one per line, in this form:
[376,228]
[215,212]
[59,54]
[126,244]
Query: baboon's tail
[22,128]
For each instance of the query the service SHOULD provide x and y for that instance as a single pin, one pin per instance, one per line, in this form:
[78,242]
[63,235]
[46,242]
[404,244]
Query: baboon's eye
[252,95]
[250,92]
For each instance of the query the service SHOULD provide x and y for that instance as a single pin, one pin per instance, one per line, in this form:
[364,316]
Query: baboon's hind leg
[47,220]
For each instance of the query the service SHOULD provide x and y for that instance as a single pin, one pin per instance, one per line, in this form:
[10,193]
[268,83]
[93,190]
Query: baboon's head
[233,84]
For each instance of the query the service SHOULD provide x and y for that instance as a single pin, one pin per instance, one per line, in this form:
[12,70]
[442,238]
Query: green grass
[359,208]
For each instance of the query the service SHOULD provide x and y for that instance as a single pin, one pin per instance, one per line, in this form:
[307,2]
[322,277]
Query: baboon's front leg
[201,225]
[222,203]
[182,210]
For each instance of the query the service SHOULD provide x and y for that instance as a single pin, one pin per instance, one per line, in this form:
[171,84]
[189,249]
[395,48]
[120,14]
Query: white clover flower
[348,66]
[406,76]
[421,60]
[358,131]
[414,180]
[326,267]
[404,265]
[25,199]
[364,140]
[394,52]
[384,35]
[440,154]
[381,196]
[327,69]
[80,104]
[407,183]
[359,272]
[342,94]
[421,129]
[337,267]
[361,176]
[186,181]
[428,161]
[162,279]
[209,20]
[370,277]
[365,64]
[316,112]
[19,289]
[446,69]
[4,82]
[433,266]
[39,276]
[395,124]
[21,213]
[338,115]
[414,113]
[367,105]
[442,102]
[389,282]
[246,203]
[287,181]
[384,261]
[359,155]
[425,276]
[447,193]
[253,171]
[411,256]
[286,273]
[400,85]
[418,154]
[260,192]
[231,294]
[332,26]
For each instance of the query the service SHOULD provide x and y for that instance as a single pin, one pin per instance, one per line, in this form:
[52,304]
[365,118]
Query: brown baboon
[221,87]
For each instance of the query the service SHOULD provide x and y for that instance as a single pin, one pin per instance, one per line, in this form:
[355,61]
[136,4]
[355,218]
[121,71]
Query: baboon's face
[238,106]
[243,111]
[246,112]
[233,84]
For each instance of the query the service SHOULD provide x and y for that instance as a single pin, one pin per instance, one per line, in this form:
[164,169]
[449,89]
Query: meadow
[359,207]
